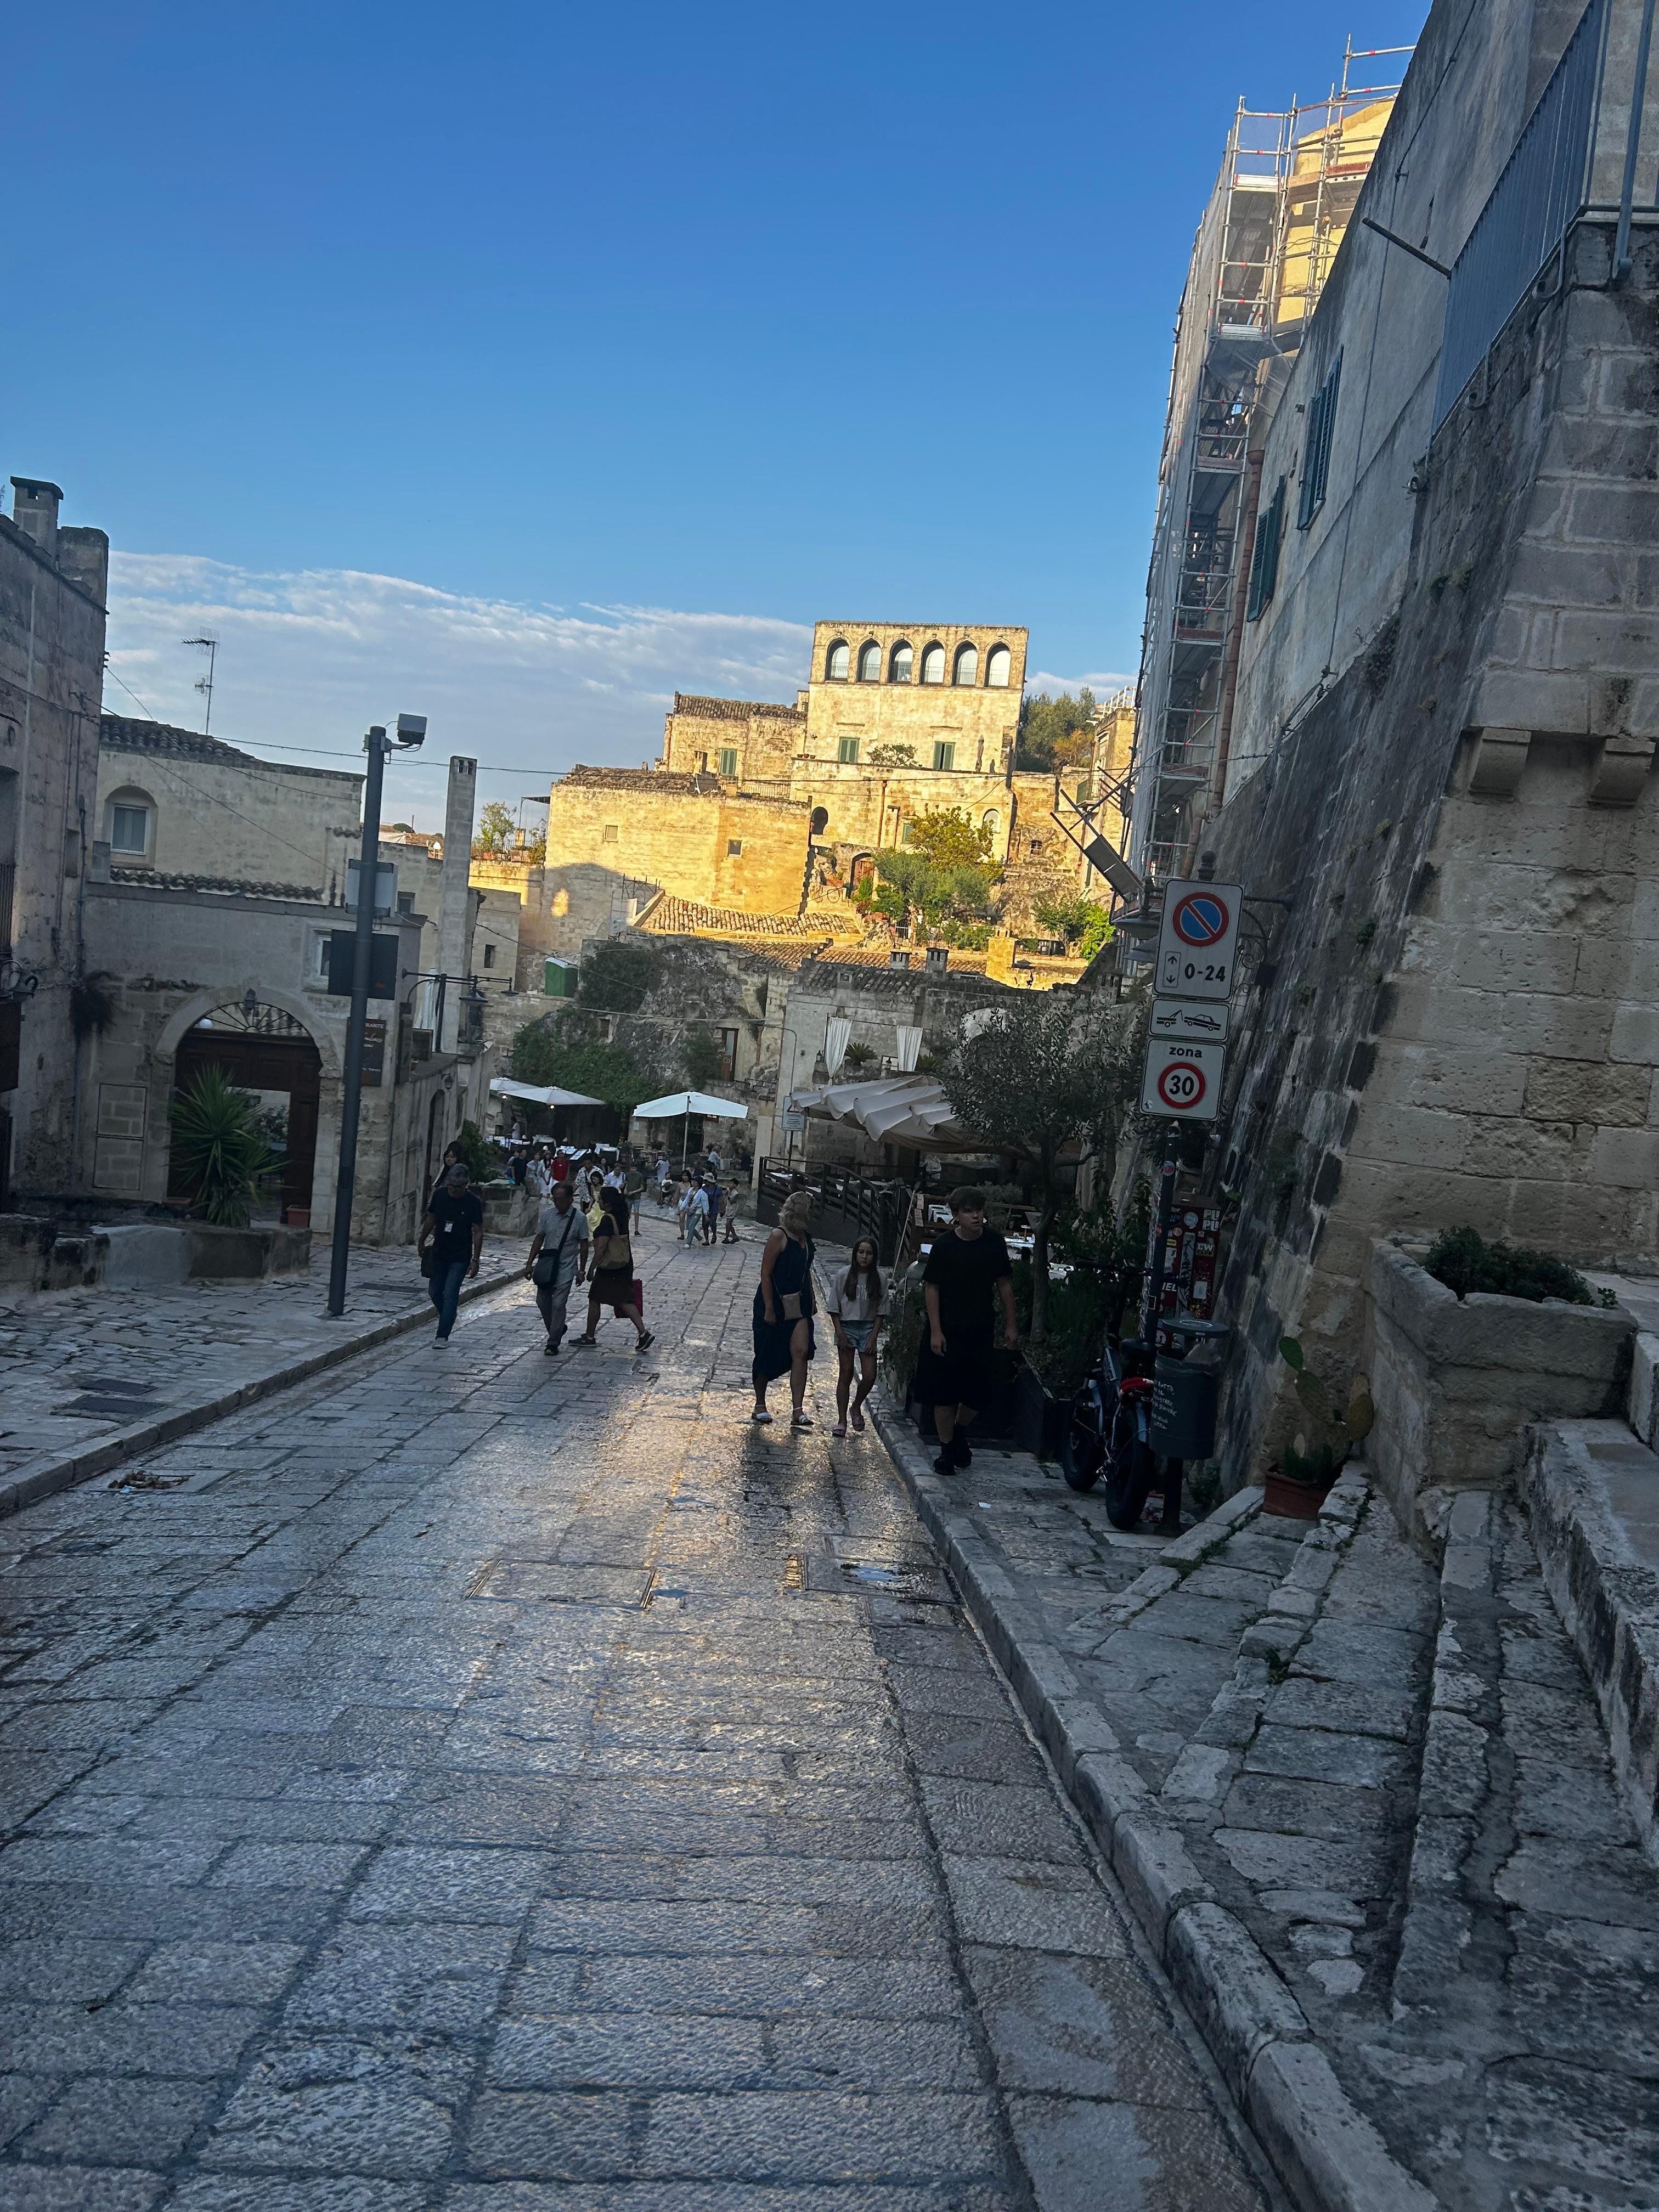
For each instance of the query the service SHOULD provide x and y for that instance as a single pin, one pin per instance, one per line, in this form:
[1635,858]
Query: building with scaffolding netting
[1264,250]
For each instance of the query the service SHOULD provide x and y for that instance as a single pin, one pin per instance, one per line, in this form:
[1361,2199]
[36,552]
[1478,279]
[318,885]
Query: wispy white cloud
[309,659]
[1101,682]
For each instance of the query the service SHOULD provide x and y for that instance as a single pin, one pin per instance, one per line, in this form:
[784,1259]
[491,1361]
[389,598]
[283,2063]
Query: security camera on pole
[411,734]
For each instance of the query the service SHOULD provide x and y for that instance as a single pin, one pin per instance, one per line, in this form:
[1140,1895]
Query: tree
[1054,1072]
[617,977]
[597,1069]
[949,838]
[702,1059]
[1083,923]
[496,831]
[221,1155]
[1055,733]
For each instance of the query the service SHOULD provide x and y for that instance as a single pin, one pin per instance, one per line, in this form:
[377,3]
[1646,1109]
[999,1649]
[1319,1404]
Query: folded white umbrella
[551,1095]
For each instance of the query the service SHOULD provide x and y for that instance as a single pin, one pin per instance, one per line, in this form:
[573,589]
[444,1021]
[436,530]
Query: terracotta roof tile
[733,710]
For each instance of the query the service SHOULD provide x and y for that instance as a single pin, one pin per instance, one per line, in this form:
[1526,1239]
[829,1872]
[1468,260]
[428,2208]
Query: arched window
[837,662]
[898,665]
[932,665]
[130,825]
[991,822]
[967,666]
[999,666]
[870,663]
[818,821]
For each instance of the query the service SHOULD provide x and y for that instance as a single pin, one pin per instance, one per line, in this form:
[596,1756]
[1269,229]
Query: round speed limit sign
[1182,1079]
[1181,1087]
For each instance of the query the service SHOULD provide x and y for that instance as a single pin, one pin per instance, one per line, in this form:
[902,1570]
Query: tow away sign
[1182,1080]
[1197,1021]
[1198,940]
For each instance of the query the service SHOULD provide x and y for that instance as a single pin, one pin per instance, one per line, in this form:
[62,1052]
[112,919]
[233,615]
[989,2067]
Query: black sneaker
[946,1462]
[961,1450]
[550,1350]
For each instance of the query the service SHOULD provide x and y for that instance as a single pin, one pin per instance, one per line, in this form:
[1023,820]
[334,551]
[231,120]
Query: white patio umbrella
[689,1102]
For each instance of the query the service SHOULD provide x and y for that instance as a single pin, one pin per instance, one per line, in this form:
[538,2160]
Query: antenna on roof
[205,683]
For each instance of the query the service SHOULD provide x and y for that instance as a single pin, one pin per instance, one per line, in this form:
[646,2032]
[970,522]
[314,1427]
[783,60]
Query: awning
[909,1109]
[505,1087]
[689,1101]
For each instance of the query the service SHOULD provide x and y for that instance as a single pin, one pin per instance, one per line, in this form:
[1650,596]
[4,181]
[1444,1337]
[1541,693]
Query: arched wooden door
[261,1048]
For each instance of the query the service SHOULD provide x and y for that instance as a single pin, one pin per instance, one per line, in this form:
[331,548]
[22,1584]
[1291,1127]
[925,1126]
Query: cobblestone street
[511,1784]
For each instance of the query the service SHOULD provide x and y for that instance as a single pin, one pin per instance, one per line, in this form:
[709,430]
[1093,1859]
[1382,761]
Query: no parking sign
[1182,1080]
[1198,939]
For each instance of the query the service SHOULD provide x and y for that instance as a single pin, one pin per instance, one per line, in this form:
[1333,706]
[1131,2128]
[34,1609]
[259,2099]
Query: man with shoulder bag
[558,1260]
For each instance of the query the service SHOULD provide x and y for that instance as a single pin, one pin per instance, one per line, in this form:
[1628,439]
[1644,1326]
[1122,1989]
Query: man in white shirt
[558,1260]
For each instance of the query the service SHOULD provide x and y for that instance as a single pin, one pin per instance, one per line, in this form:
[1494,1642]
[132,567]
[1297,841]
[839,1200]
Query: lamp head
[411,732]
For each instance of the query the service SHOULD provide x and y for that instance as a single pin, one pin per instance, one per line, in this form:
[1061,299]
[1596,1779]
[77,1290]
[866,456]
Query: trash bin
[1184,1396]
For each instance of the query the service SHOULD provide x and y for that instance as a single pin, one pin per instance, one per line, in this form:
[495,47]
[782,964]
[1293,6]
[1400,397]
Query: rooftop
[126,733]
[669,916]
[732,710]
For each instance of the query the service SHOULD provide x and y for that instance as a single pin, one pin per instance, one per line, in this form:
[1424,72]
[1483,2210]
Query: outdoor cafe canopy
[550,1095]
[689,1101]
[904,1109]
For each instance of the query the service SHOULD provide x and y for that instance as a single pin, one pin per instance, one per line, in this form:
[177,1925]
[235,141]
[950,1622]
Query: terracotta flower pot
[1294,1501]
[297,1217]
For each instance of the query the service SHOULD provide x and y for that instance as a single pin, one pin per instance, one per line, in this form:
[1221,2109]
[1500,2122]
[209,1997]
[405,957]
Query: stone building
[178,808]
[52,583]
[1441,764]
[616,837]
[894,720]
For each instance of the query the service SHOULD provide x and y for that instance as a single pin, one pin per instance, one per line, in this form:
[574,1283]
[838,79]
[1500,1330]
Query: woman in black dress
[784,1307]
[612,1283]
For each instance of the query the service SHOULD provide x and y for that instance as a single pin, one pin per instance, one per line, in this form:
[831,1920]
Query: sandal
[839,1428]
[583,1339]
[762,1416]
[858,1422]
[800,1421]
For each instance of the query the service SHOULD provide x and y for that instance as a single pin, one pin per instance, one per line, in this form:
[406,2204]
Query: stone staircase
[1363,1801]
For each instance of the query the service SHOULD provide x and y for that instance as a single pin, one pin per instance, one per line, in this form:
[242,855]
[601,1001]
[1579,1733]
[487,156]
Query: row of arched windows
[901,664]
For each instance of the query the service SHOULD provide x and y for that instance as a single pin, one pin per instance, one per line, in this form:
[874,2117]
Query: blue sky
[535,361]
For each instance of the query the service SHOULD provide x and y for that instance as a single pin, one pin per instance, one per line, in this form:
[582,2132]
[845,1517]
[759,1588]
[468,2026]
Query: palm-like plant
[222,1157]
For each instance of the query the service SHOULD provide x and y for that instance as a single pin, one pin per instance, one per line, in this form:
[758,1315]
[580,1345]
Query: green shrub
[1463,1261]
[482,1165]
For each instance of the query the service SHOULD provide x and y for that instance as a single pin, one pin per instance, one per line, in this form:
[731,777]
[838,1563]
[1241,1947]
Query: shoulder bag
[547,1263]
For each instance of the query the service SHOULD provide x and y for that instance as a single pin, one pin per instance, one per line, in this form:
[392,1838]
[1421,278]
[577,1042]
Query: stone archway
[265,1049]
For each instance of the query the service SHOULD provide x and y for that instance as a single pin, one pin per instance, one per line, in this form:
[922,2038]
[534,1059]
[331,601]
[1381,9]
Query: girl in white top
[857,1305]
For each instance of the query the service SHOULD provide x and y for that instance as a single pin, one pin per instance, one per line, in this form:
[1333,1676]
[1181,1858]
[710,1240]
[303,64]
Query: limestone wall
[216,815]
[52,583]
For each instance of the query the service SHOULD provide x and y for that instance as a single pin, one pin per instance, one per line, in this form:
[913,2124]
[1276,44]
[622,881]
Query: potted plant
[218,1150]
[1310,1463]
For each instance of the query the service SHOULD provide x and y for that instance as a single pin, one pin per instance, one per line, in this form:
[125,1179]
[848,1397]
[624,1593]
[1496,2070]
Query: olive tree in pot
[221,1155]
[1310,1463]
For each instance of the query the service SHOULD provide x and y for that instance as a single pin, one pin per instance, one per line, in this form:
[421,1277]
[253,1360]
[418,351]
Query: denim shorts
[859,1333]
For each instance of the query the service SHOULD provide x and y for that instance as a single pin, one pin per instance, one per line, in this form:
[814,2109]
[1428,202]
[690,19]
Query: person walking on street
[963,1270]
[661,1176]
[857,1308]
[454,1227]
[712,1197]
[784,1307]
[558,1260]
[612,1283]
[696,1215]
[731,1235]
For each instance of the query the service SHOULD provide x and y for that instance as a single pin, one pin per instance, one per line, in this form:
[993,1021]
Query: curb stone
[110,1451]
[1327,2153]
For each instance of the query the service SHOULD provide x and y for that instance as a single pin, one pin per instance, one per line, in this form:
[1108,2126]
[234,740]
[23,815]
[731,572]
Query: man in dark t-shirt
[454,1227]
[966,1272]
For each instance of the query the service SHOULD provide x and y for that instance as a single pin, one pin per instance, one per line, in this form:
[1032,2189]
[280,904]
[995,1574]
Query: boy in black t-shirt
[454,1228]
[963,1269]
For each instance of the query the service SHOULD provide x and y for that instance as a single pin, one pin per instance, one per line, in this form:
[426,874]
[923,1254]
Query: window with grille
[728,760]
[945,754]
[1316,452]
[847,748]
[734,846]
[610,833]
[1264,559]
[870,663]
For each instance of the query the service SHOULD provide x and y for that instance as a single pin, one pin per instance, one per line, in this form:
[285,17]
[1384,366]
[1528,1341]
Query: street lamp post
[411,732]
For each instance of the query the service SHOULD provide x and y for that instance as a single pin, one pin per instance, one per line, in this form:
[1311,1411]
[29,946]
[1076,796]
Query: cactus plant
[1318,1452]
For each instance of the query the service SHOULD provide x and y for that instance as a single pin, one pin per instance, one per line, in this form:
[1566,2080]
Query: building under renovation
[1281,205]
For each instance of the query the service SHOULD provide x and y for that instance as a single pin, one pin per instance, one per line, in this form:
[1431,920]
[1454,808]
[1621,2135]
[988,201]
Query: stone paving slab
[89,1378]
[361,1870]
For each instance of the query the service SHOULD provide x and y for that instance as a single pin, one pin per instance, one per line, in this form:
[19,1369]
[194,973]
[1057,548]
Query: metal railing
[844,1206]
[1545,183]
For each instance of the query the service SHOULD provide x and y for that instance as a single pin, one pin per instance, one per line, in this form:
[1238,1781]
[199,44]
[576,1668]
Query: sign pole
[1155,1286]
[351,1088]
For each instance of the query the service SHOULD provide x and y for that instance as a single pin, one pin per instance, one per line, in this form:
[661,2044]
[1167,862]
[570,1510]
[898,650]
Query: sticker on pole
[1182,1080]
[1198,940]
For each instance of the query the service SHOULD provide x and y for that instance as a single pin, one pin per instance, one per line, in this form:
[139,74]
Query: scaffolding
[1263,253]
